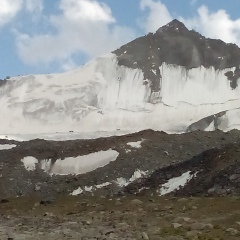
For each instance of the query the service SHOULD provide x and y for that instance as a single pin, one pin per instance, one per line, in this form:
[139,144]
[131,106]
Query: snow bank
[29,163]
[80,164]
[77,192]
[135,144]
[175,183]
[7,146]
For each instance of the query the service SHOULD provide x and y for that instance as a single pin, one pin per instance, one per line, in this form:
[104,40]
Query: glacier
[102,96]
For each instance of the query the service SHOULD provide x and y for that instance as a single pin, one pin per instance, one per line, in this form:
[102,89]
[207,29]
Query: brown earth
[121,218]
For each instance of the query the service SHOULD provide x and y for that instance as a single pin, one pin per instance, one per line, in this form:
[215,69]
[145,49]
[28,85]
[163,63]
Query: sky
[50,36]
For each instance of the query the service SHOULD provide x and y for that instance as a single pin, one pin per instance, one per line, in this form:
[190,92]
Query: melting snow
[80,164]
[122,182]
[77,192]
[29,163]
[177,182]
[103,185]
[135,144]
[90,189]
[7,146]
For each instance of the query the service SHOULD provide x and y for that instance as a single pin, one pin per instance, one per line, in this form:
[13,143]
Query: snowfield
[102,96]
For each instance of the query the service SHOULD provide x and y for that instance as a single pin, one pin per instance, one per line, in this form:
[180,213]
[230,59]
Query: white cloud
[217,25]
[86,10]
[84,27]
[158,15]
[8,10]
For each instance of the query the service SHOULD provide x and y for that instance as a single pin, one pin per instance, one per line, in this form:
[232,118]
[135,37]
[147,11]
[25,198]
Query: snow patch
[122,182]
[77,192]
[90,188]
[29,163]
[102,185]
[135,144]
[80,164]
[177,182]
[7,146]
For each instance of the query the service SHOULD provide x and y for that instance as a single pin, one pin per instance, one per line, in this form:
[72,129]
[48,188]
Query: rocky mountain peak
[175,25]
[174,44]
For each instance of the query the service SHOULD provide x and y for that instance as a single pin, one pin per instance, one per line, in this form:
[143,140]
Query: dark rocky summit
[175,44]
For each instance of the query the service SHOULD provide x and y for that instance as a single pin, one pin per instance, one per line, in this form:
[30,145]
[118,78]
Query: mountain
[167,80]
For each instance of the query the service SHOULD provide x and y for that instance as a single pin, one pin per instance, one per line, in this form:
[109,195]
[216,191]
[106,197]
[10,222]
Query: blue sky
[46,36]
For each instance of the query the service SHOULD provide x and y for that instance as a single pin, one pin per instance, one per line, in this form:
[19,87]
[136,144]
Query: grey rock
[136,202]
[145,236]
[192,234]
[197,226]
[232,231]
[176,225]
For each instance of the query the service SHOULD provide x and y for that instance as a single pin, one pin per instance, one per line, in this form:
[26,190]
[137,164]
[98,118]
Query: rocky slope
[144,154]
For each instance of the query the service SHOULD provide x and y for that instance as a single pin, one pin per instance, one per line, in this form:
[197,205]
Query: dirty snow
[177,182]
[29,163]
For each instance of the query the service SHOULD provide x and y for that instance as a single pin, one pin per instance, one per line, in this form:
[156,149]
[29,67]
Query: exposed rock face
[175,44]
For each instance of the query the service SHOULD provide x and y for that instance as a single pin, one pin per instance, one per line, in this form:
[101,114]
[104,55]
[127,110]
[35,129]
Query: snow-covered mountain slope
[163,81]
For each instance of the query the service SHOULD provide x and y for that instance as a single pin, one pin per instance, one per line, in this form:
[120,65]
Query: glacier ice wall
[103,96]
